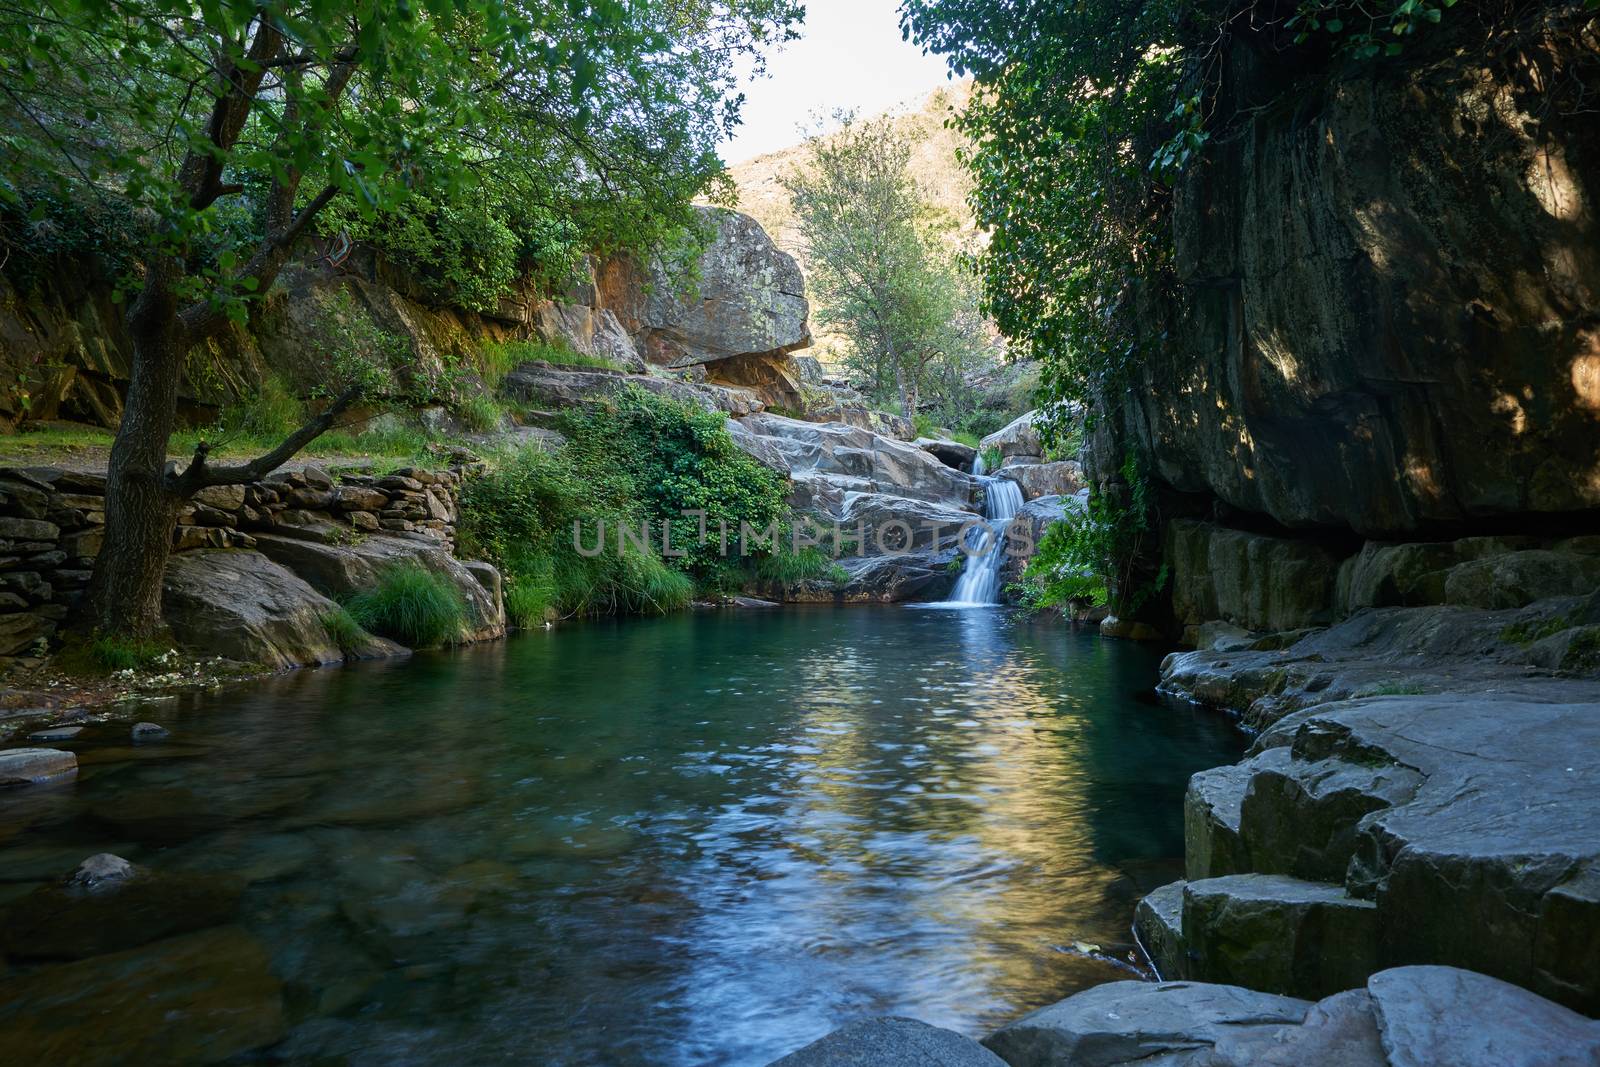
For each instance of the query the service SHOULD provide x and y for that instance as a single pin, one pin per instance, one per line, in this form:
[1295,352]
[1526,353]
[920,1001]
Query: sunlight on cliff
[1554,185]
[1508,405]
[1586,376]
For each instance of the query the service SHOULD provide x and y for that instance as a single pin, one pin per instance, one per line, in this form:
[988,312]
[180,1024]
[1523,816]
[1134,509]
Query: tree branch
[201,173]
[198,475]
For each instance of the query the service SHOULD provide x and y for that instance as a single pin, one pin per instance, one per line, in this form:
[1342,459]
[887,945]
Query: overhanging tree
[194,115]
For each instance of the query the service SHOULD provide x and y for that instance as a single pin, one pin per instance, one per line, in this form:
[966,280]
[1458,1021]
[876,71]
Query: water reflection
[698,840]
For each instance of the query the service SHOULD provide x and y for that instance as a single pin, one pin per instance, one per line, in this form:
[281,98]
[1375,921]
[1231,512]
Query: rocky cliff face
[1387,316]
[1378,408]
[731,319]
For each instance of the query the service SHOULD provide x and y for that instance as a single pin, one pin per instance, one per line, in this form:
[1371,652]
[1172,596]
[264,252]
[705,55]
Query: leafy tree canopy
[216,123]
[880,272]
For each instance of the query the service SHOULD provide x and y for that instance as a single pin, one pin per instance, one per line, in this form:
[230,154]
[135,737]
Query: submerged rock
[144,732]
[200,998]
[890,1041]
[108,905]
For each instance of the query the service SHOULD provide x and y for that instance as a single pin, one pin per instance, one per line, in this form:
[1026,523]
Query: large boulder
[744,298]
[1027,528]
[1062,478]
[1017,441]
[341,570]
[891,1042]
[243,606]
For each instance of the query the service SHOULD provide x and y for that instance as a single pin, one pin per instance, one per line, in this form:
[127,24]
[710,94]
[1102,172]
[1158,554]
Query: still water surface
[705,839]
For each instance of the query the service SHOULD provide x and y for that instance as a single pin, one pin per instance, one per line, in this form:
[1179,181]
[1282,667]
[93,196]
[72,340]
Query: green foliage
[461,255]
[1082,115]
[991,457]
[480,412]
[637,460]
[789,567]
[679,458]
[412,605]
[346,632]
[270,412]
[1090,555]
[882,275]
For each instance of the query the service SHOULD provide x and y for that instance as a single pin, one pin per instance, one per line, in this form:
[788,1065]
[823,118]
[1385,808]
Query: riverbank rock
[339,571]
[241,605]
[1128,1022]
[1457,828]
[31,766]
[200,998]
[891,1042]
[1402,1017]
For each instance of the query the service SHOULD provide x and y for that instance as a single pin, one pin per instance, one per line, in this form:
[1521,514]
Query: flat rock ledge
[1452,828]
[1403,1017]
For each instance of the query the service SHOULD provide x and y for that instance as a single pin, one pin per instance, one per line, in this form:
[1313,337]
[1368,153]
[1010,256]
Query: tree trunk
[124,595]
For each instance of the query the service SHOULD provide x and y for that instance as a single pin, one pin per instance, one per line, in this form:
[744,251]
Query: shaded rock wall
[1387,310]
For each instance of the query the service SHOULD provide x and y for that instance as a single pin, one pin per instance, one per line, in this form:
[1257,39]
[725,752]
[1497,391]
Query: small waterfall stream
[980,579]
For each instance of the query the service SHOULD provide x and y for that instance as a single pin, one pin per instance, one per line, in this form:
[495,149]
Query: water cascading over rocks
[980,578]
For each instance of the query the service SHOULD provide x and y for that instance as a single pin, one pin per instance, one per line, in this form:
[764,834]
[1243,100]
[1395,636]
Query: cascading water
[980,578]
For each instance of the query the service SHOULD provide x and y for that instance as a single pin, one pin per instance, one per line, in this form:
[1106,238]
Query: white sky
[849,55]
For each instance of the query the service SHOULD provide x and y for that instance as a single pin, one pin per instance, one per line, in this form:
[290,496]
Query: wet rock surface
[109,905]
[199,998]
[891,1042]
[1403,1017]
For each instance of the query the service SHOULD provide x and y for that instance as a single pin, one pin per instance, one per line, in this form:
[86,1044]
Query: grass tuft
[346,632]
[411,605]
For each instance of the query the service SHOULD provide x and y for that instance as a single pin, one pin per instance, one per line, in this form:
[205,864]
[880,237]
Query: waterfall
[980,578]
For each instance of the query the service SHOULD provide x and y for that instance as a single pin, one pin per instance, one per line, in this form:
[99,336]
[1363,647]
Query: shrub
[411,605]
[271,413]
[1091,555]
[638,459]
[788,567]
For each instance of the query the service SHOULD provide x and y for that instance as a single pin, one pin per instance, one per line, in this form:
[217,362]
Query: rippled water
[699,840]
